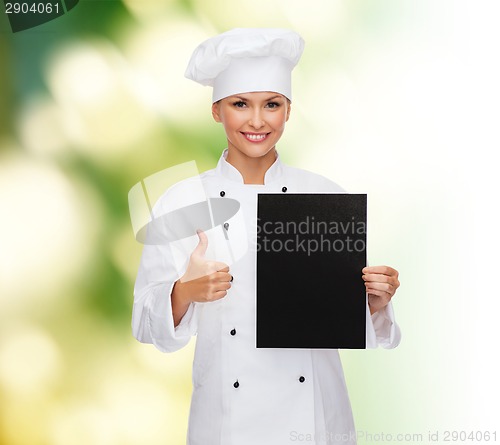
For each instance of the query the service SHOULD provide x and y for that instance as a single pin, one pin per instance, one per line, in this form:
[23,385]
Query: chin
[257,152]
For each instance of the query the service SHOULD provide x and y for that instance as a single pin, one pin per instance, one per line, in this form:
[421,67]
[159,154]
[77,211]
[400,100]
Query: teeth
[256,137]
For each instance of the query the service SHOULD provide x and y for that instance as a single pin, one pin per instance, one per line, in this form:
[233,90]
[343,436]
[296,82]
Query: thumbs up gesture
[204,280]
[199,266]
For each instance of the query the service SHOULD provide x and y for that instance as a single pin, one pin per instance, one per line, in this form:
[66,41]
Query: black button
[233,332]
[302,379]
[236,384]
[284,189]
[223,193]
[226,226]
[232,278]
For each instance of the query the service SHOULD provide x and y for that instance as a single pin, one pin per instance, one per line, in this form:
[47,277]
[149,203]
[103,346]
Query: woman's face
[253,122]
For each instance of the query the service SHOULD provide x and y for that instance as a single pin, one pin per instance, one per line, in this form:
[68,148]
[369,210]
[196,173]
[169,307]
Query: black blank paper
[311,250]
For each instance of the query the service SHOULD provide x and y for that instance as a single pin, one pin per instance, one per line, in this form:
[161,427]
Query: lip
[255,137]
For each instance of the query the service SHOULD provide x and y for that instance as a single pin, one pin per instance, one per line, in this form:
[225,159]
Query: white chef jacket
[243,395]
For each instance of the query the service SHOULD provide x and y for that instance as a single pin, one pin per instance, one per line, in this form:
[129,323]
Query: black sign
[311,250]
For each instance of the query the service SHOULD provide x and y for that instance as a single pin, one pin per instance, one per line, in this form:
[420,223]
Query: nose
[256,120]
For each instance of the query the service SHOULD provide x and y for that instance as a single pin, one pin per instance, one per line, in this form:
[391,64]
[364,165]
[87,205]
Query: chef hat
[245,60]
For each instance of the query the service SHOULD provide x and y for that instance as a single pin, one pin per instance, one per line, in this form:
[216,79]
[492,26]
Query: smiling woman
[243,394]
[253,123]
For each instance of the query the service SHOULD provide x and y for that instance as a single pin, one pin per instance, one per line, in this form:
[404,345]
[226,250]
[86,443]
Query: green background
[394,98]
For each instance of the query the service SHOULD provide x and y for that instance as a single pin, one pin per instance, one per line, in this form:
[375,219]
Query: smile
[255,137]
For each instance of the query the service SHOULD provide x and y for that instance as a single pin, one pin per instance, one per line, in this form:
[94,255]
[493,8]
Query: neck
[253,170]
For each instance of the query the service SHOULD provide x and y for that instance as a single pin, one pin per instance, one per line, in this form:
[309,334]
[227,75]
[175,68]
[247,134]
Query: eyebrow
[277,96]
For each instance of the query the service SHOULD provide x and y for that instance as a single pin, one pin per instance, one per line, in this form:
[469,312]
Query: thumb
[202,246]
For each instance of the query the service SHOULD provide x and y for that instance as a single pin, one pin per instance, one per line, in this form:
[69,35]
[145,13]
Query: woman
[244,395]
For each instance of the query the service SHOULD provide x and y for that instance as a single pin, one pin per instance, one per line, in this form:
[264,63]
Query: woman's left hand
[381,283]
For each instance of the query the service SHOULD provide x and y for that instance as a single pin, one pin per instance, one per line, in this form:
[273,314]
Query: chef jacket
[243,395]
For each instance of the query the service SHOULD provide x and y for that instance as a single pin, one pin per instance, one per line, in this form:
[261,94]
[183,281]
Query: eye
[273,105]
[239,104]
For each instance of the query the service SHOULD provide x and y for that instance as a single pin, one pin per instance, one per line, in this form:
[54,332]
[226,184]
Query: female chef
[243,395]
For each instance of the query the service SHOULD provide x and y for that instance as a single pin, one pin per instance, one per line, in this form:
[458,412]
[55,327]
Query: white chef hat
[246,60]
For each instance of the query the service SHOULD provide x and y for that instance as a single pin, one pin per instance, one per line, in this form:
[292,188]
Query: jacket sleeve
[381,328]
[152,319]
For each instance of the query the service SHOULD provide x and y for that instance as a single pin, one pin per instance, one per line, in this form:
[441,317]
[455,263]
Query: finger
[219,294]
[215,279]
[224,286]
[380,278]
[214,296]
[379,294]
[212,267]
[221,267]
[223,276]
[202,246]
[384,270]
[381,287]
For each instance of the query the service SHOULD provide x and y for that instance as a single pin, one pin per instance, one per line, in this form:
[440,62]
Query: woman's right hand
[204,280]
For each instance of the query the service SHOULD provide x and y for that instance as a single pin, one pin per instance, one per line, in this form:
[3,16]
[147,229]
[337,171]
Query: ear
[288,110]
[216,112]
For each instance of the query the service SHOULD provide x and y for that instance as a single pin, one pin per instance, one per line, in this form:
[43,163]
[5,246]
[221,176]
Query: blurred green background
[395,98]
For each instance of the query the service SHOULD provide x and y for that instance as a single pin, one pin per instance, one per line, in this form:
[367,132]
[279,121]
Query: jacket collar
[230,172]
